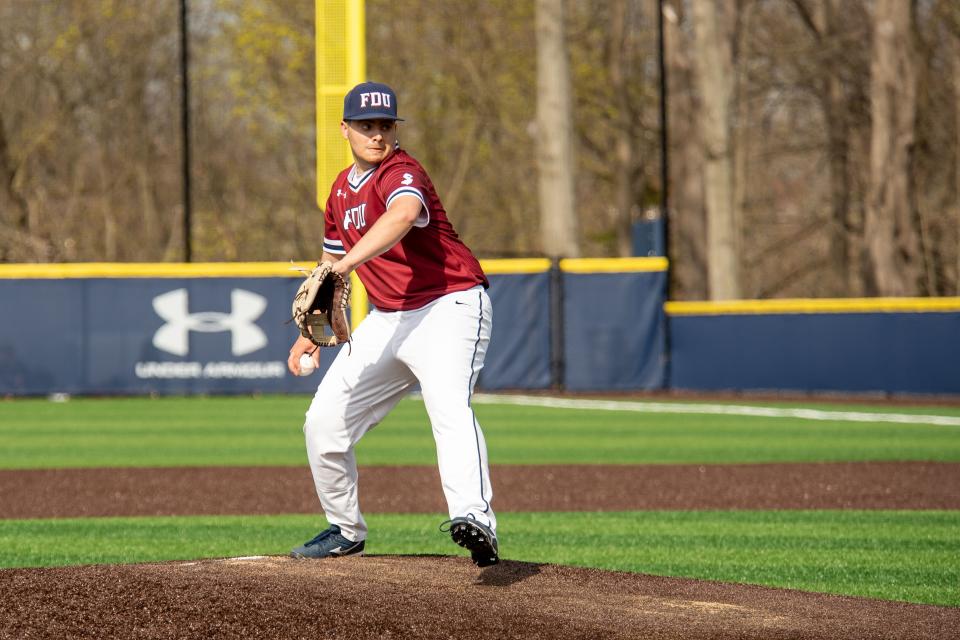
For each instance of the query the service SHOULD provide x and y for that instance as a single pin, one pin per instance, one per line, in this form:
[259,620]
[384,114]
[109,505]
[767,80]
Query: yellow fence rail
[813,305]
[491,267]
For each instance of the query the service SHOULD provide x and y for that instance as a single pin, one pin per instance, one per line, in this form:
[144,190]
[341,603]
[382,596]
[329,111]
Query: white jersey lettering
[375,99]
[357,216]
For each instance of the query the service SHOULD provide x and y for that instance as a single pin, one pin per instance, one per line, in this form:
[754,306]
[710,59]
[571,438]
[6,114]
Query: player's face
[370,140]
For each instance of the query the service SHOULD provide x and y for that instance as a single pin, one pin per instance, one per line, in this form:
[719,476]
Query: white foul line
[715,409]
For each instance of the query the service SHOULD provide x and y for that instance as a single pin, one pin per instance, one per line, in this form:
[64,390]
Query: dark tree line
[814,144]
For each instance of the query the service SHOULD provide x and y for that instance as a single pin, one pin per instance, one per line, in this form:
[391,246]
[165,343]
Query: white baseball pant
[442,346]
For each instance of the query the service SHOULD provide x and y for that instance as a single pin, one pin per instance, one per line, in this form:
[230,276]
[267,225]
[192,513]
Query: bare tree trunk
[843,263]
[688,249]
[714,61]
[893,245]
[842,251]
[628,174]
[740,139]
[18,241]
[12,205]
[554,142]
[623,146]
[956,111]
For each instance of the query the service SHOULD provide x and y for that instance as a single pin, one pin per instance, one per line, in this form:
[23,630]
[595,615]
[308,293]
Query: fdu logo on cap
[370,101]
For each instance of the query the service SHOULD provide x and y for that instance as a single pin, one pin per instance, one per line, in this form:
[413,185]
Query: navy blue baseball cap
[370,101]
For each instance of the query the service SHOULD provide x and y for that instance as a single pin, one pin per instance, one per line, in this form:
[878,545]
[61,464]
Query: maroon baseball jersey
[428,262]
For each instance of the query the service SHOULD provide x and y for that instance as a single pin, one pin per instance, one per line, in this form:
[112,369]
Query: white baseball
[306,364]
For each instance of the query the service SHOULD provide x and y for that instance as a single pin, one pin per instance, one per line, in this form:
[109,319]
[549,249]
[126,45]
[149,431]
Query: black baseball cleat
[480,539]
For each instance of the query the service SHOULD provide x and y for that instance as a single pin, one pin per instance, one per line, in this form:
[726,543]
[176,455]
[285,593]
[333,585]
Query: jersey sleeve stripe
[405,191]
[333,246]
[424,218]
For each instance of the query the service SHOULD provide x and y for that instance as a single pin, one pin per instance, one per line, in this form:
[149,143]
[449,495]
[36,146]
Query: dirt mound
[61,493]
[427,597]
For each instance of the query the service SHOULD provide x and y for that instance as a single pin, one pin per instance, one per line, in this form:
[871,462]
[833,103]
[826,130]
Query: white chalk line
[716,409]
[236,559]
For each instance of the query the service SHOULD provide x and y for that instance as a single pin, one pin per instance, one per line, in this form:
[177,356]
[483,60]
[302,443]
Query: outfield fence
[579,325]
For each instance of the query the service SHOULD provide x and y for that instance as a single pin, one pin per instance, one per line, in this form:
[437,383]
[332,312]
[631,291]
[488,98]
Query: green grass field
[173,432]
[901,555]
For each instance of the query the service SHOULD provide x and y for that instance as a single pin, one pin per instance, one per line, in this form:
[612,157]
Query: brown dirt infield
[446,597]
[428,597]
[59,493]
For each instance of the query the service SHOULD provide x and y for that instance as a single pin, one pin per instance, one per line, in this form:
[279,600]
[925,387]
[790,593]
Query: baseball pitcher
[430,325]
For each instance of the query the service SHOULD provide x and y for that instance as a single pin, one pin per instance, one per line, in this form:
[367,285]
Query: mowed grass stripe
[896,555]
[267,431]
[704,408]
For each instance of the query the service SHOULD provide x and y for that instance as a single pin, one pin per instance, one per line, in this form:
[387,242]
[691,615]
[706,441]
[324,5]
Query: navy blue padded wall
[42,345]
[211,335]
[519,353]
[148,335]
[613,330]
[884,352]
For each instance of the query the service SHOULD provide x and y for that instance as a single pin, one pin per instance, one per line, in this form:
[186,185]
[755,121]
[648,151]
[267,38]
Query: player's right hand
[300,347]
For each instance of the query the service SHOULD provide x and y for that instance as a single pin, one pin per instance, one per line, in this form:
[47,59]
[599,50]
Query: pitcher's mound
[427,597]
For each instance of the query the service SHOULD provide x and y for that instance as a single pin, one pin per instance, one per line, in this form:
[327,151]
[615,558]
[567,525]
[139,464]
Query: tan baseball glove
[322,301]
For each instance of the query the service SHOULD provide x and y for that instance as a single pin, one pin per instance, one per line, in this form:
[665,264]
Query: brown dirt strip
[272,490]
[428,597]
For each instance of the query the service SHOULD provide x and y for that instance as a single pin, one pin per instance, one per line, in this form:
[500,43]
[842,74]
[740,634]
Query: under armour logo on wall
[173,337]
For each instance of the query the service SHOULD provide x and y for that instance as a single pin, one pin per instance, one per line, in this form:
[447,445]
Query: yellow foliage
[66,41]
[108,8]
[273,52]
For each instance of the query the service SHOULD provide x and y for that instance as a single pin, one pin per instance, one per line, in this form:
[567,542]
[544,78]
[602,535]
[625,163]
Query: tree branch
[792,276]
[807,17]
